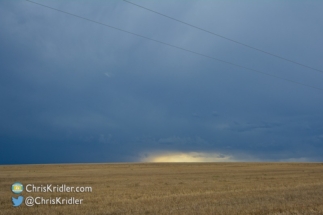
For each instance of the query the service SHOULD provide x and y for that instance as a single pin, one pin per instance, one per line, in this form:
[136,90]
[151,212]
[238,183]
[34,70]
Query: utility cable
[177,47]
[223,37]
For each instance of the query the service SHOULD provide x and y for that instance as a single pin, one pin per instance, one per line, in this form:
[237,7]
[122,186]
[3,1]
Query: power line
[177,47]
[226,38]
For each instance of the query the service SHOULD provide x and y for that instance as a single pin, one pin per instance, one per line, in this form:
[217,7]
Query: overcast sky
[75,91]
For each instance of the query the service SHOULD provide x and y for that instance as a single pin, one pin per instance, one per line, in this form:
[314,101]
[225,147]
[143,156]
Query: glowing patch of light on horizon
[187,157]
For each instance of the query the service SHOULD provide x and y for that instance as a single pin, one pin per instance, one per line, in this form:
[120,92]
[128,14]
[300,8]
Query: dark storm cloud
[75,91]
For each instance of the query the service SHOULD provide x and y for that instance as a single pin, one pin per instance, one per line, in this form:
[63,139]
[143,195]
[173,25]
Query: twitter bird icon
[17,201]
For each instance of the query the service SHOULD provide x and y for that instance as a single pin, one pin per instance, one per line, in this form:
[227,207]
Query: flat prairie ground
[172,188]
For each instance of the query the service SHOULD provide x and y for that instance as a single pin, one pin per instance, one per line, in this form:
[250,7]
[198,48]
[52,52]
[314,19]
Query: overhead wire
[177,47]
[224,37]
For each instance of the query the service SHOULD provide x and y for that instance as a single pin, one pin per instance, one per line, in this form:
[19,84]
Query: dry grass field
[173,188]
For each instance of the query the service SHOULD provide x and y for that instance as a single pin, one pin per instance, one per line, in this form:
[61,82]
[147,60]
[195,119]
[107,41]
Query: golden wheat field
[172,188]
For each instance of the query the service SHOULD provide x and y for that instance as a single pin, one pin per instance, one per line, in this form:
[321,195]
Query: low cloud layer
[75,91]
